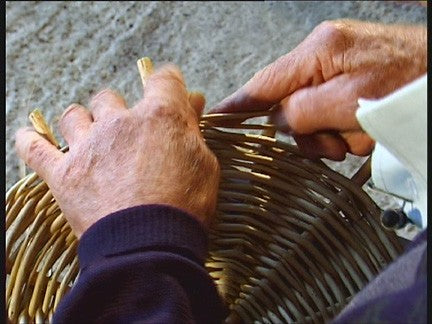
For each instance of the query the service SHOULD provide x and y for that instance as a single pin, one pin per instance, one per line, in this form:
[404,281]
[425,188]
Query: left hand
[153,153]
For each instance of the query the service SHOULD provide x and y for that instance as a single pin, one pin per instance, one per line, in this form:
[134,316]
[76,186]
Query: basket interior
[293,240]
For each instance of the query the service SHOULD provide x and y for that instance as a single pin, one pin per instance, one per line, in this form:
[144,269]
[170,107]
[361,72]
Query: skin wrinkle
[327,53]
[36,152]
[375,59]
[355,59]
[303,80]
[68,110]
[153,153]
[318,77]
[81,118]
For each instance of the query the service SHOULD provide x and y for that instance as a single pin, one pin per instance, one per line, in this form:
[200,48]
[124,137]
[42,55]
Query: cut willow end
[41,126]
[145,68]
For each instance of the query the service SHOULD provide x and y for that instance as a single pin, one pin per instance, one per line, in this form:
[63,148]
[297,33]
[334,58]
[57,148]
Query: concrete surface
[63,52]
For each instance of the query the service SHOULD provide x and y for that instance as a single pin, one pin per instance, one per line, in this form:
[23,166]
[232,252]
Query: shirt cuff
[144,228]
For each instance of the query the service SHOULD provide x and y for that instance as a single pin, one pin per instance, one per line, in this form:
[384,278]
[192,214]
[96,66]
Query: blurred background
[58,53]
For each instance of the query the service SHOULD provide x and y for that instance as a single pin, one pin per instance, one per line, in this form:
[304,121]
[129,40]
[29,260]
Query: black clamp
[394,219]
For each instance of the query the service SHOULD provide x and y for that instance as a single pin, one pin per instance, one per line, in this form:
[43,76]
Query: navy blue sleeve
[397,295]
[143,264]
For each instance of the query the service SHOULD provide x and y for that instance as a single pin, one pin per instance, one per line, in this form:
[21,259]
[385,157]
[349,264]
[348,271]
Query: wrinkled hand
[119,157]
[317,85]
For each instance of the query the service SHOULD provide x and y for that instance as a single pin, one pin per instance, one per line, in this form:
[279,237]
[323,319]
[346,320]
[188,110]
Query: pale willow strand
[292,241]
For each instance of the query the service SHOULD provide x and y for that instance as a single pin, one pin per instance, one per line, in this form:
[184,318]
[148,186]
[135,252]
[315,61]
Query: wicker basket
[293,240]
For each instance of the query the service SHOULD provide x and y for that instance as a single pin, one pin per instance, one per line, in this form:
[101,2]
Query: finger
[106,103]
[359,143]
[317,59]
[37,152]
[75,122]
[322,145]
[165,93]
[197,101]
[331,105]
[271,84]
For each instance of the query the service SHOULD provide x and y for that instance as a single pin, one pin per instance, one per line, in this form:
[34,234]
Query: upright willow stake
[43,129]
[145,68]
[278,213]
[41,126]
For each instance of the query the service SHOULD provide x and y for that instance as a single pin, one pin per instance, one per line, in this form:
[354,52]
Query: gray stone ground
[63,52]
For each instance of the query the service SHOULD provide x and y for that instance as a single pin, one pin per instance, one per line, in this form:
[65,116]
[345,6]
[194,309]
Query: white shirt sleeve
[398,123]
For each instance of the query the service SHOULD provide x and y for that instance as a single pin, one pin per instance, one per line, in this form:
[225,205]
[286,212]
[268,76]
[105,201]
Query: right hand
[317,85]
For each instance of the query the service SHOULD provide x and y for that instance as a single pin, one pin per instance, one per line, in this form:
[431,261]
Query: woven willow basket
[293,240]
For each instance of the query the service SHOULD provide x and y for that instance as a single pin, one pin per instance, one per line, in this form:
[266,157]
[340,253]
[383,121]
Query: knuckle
[162,110]
[331,30]
[71,110]
[168,72]
[165,83]
[105,94]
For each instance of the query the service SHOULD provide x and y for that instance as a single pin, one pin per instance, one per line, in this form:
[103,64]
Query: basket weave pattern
[293,240]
